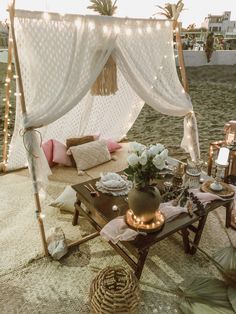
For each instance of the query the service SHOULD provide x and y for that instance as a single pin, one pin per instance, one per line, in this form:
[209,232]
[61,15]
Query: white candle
[223,157]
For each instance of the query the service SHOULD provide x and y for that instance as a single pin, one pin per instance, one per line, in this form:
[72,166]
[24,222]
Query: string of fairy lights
[91,25]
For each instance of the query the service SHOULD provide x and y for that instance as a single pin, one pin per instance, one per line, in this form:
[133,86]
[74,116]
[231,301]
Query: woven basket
[115,290]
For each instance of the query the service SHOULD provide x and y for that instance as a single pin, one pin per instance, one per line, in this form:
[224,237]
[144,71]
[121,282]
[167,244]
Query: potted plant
[144,165]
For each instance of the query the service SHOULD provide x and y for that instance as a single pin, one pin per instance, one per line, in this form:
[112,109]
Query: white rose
[133,160]
[143,158]
[156,149]
[136,147]
[164,154]
[158,162]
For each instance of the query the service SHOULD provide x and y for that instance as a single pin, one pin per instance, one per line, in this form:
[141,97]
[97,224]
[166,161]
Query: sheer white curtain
[61,57]
[151,71]
[61,68]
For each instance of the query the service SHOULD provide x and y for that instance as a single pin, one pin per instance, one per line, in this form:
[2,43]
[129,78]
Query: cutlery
[94,190]
[93,193]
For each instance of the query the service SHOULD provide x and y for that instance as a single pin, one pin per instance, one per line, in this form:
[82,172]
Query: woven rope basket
[115,290]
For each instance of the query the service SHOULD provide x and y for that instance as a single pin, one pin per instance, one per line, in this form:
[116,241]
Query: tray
[155,225]
[226,193]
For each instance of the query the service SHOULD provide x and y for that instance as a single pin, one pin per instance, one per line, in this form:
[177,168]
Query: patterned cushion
[90,154]
[75,141]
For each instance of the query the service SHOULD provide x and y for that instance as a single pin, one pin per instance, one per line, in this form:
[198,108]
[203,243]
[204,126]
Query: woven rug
[30,283]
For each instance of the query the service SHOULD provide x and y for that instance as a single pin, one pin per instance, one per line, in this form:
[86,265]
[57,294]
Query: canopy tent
[58,58]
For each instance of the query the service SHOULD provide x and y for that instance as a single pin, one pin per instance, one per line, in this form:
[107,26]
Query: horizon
[193,13]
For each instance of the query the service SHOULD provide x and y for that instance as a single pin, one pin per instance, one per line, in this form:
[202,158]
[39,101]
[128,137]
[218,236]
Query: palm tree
[103,7]
[167,10]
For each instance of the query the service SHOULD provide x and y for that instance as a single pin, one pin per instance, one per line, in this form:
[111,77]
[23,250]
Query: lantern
[230,140]
[230,132]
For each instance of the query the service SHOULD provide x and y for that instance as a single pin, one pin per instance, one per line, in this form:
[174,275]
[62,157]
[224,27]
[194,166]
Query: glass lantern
[230,132]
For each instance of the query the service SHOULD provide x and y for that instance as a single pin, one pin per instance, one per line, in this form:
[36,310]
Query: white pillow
[90,154]
[66,200]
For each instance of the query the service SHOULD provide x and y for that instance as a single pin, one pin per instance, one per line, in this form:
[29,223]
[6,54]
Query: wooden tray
[227,191]
[156,224]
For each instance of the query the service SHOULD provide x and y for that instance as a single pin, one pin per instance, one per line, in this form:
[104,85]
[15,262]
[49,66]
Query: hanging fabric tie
[106,82]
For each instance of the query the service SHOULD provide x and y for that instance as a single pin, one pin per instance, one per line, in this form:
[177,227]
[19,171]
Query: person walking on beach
[209,46]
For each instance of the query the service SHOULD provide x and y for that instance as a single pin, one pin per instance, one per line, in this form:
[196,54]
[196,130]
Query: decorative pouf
[114,290]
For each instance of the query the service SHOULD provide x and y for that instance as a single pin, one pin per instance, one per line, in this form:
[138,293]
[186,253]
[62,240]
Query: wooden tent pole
[176,27]
[24,111]
[7,105]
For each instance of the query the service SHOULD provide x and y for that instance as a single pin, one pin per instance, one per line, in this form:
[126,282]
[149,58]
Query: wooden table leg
[185,234]
[198,234]
[141,261]
[76,214]
[229,208]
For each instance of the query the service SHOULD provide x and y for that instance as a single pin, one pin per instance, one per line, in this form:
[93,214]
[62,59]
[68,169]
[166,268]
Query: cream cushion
[65,201]
[90,154]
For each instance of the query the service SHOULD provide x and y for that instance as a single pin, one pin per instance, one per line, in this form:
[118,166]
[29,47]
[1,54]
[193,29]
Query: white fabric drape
[60,58]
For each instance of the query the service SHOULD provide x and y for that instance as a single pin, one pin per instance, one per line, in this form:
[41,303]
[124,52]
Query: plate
[114,189]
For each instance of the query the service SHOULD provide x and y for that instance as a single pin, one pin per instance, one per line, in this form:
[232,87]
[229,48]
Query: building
[221,24]
[3,35]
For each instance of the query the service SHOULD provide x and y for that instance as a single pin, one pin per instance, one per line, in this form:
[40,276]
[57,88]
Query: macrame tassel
[106,82]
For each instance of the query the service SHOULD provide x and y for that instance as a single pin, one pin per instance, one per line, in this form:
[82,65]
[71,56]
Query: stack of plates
[113,182]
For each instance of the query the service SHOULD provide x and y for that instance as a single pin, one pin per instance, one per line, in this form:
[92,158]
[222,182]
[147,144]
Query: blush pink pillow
[112,145]
[48,151]
[59,154]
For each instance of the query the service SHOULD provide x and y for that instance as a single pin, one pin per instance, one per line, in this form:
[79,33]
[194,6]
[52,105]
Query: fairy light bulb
[167,23]
[91,26]
[78,23]
[149,29]
[128,32]
[8,80]
[46,16]
[117,29]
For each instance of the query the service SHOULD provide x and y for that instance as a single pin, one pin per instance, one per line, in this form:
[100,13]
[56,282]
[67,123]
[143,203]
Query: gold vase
[144,202]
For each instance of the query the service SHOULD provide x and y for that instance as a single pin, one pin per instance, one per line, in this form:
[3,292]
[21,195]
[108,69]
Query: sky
[196,10]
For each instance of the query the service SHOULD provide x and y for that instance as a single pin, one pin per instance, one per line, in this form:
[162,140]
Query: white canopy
[61,57]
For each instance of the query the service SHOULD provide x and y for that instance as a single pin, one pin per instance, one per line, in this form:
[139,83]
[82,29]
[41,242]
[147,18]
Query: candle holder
[221,165]
[216,185]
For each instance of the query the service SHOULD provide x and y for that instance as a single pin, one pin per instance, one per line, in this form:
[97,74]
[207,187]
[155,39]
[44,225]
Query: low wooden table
[99,212]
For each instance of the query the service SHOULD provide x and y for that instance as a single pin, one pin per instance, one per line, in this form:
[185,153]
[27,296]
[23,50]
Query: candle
[223,157]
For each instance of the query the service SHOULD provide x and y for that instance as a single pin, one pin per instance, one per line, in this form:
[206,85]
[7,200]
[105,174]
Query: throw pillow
[48,151]
[75,141]
[112,145]
[90,154]
[59,154]
[65,202]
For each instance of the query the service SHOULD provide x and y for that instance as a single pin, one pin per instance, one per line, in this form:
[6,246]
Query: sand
[213,93]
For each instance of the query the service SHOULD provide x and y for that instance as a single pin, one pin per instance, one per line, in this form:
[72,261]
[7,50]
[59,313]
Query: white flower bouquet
[145,163]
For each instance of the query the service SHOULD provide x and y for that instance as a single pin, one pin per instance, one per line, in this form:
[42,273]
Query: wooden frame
[13,46]
[11,9]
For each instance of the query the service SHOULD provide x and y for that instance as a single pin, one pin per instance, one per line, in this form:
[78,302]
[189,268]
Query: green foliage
[103,7]
[142,175]
[167,9]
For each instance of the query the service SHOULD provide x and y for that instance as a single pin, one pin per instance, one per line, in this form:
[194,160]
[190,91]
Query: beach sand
[213,93]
